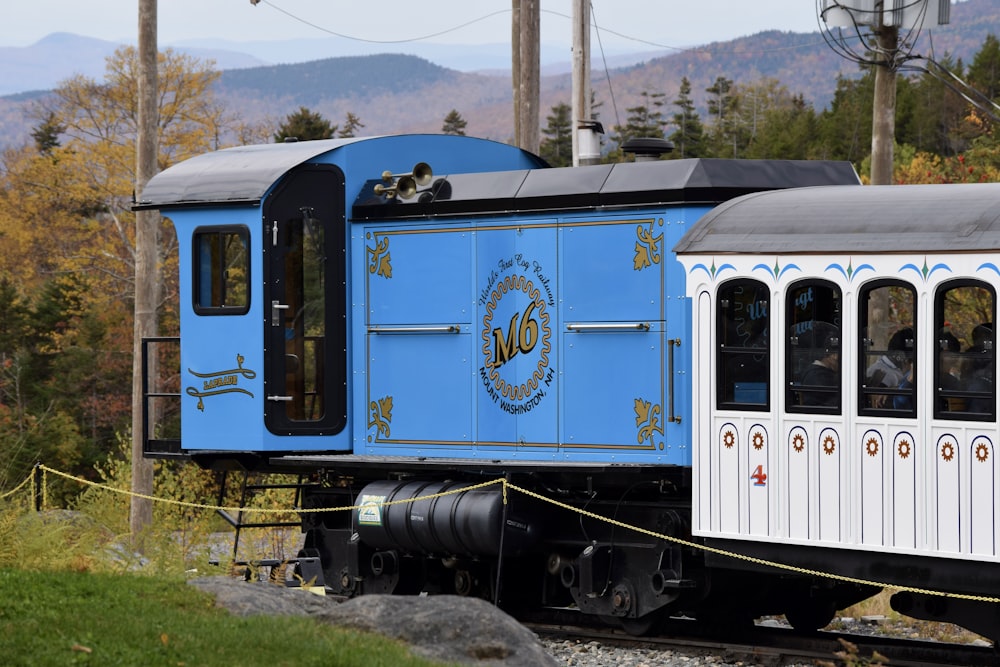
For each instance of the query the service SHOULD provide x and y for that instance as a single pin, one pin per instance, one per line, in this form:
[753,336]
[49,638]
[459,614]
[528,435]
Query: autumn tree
[65,210]
[454,123]
[557,146]
[304,125]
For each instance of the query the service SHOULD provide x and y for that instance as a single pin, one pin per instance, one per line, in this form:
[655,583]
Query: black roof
[232,175]
[698,180]
[879,218]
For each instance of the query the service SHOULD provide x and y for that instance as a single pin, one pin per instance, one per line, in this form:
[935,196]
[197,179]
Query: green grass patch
[92,618]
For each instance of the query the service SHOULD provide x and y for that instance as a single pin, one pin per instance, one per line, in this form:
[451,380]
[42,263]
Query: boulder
[448,628]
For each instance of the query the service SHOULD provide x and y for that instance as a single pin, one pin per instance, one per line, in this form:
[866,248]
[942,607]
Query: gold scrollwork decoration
[379,258]
[647,418]
[381,415]
[221,382]
[647,248]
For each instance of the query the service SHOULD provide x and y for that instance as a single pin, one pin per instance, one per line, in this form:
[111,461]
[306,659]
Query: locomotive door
[304,304]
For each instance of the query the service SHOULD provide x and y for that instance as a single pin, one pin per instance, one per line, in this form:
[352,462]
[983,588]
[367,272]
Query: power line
[461,26]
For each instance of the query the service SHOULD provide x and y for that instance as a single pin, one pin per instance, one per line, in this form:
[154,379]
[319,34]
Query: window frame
[792,396]
[865,348]
[726,356]
[940,321]
[198,275]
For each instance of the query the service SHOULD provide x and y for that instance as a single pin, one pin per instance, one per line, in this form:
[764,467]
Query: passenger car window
[887,317]
[812,324]
[744,365]
[964,351]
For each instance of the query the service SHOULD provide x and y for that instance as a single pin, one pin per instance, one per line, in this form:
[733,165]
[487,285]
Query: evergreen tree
[722,106]
[454,123]
[644,121]
[984,72]
[46,135]
[845,128]
[557,147]
[941,112]
[351,125]
[689,136]
[304,125]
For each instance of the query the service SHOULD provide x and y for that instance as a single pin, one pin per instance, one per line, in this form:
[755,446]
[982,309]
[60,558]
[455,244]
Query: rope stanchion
[505,487]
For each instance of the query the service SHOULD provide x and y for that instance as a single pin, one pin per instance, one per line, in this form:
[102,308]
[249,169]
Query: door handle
[276,308]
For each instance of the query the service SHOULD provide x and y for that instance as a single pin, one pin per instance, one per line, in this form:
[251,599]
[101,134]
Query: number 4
[760,479]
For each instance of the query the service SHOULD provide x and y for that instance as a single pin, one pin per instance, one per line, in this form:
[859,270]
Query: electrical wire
[461,26]
[607,70]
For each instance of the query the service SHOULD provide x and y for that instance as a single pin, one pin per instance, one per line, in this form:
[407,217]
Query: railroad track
[778,646]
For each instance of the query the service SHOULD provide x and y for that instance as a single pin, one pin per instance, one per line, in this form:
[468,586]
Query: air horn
[404,186]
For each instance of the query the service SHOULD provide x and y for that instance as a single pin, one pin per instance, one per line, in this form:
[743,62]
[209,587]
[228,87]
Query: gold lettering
[521,338]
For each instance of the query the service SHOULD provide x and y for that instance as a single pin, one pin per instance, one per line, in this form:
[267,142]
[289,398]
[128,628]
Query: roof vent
[647,149]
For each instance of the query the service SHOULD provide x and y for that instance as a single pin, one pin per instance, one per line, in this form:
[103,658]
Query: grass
[93,618]
[879,606]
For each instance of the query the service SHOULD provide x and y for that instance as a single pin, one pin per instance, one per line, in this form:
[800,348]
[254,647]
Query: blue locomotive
[396,317]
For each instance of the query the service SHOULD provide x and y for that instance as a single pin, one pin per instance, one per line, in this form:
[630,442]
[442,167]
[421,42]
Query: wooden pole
[581,72]
[147,241]
[527,83]
[884,106]
[515,65]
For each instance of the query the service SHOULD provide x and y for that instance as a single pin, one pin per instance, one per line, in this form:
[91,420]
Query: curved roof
[837,219]
[238,175]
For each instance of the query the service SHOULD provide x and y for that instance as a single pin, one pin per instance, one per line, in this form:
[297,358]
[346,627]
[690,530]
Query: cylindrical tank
[466,523]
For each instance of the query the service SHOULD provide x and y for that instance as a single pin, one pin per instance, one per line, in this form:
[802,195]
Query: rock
[447,628]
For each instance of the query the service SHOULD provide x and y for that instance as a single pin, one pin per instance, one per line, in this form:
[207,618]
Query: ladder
[308,568]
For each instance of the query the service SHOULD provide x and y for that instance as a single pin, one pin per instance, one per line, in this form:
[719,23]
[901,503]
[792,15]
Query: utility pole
[884,108]
[525,37]
[147,283]
[515,65]
[581,72]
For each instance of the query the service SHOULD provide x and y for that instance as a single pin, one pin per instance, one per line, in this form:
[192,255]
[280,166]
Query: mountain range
[410,92]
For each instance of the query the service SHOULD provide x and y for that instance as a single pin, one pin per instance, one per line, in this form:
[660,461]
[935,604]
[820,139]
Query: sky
[638,25]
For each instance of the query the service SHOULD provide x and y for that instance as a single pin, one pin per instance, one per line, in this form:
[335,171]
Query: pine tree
[304,125]
[454,123]
[351,125]
[46,134]
[689,136]
[722,105]
[557,147]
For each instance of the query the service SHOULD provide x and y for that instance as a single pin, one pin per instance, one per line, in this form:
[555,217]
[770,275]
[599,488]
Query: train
[723,388]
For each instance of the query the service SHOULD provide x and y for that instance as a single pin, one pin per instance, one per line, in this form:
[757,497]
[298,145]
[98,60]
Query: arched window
[744,365]
[964,351]
[888,349]
[813,377]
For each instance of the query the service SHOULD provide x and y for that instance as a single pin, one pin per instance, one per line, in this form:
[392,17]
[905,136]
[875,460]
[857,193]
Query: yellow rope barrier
[506,486]
[27,480]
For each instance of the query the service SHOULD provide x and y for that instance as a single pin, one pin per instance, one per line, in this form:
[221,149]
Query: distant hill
[393,93]
[42,65]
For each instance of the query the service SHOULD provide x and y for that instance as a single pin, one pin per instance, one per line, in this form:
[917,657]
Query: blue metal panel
[614,393]
[611,268]
[420,393]
[614,361]
[418,337]
[516,267]
[419,276]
